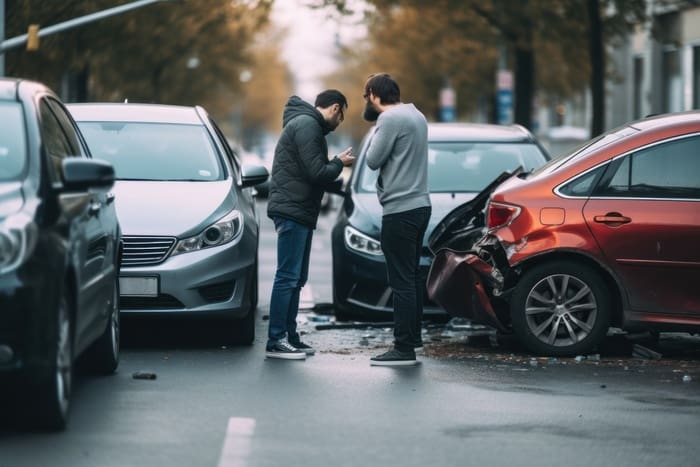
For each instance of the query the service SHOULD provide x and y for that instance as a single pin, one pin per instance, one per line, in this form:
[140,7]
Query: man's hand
[346,158]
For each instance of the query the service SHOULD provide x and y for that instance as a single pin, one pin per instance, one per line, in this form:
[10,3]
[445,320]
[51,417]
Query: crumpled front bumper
[458,281]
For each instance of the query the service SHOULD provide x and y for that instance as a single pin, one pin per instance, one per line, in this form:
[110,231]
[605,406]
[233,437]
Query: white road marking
[239,436]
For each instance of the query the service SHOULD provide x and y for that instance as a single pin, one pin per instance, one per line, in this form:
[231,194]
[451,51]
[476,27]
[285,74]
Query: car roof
[477,132]
[670,119]
[8,89]
[148,113]
[12,89]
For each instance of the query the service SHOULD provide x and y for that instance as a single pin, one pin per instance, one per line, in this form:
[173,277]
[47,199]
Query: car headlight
[358,241]
[225,230]
[18,235]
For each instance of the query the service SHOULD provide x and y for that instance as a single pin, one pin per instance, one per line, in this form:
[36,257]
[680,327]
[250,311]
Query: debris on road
[639,351]
[144,375]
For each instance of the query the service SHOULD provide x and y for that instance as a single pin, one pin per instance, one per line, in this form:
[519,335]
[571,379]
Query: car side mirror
[82,174]
[252,175]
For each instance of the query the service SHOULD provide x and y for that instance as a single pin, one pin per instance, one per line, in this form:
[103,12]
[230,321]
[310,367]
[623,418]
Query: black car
[463,159]
[59,253]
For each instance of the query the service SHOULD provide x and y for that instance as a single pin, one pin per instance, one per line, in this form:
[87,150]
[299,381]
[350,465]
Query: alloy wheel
[561,310]
[64,358]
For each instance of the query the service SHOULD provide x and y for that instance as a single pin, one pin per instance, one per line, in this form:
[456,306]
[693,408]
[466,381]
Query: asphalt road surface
[472,400]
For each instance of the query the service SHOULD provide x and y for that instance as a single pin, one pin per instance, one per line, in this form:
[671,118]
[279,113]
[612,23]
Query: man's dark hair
[384,87]
[329,97]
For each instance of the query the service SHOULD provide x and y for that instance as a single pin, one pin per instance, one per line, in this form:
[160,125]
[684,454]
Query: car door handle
[612,218]
[110,198]
[94,209]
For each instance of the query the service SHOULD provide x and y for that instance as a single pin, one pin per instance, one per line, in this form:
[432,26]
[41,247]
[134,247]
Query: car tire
[569,309]
[50,400]
[244,328]
[103,357]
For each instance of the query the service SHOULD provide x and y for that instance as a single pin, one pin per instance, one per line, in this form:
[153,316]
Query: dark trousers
[293,253]
[402,241]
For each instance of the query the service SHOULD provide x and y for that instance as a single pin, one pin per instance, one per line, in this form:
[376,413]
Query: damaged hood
[462,226]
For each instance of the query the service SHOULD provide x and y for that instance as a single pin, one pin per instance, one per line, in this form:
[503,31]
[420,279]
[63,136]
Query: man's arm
[381,144]
[315,164]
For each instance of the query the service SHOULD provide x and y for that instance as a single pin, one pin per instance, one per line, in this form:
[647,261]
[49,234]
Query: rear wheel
[560,308]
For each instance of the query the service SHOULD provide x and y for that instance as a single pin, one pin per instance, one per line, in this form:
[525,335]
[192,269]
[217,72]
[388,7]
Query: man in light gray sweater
[399,150]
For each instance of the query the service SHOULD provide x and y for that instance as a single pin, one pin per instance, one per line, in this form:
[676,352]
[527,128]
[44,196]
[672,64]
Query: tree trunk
[597,57]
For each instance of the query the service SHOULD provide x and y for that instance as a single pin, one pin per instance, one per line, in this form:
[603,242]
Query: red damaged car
[608,235]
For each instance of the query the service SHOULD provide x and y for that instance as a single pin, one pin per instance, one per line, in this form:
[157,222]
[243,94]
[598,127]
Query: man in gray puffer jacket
[300,171]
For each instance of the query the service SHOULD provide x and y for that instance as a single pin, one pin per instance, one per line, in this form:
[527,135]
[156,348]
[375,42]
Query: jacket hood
[297,106]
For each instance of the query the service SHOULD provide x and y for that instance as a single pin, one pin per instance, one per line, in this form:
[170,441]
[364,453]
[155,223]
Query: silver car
[189,221]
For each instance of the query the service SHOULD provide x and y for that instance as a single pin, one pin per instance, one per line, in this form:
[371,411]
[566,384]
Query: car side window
[583,185]
[56,143]
[667,170]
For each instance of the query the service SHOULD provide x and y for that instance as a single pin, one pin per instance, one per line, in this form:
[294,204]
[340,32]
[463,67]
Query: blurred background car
[59,254]
[462,160]
[189,220]
[605,236]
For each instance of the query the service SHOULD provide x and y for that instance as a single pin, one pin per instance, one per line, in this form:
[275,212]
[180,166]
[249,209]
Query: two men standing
[301,169]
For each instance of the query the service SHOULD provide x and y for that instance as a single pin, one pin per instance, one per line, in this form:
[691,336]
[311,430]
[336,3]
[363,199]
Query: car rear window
[469,166]
[154,151]
[13,144]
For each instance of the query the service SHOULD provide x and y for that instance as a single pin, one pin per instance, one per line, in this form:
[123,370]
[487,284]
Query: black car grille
[146,251]
[161,302]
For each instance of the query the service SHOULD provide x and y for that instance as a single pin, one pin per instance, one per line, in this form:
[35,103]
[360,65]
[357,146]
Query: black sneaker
[306,348]
[394,358]
[283,349]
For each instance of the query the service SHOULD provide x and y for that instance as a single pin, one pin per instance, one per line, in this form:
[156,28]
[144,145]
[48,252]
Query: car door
[645,215]
[89,236]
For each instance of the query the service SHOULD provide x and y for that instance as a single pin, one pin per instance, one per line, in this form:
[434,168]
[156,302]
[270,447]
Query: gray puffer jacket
[301,168]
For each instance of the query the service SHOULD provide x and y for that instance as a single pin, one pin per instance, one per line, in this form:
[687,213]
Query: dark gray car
[59,254]
[462,160]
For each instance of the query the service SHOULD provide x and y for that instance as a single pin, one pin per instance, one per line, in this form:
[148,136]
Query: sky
[310,47]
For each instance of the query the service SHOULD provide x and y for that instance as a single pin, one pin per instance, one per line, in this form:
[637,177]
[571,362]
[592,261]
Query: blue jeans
[293,253]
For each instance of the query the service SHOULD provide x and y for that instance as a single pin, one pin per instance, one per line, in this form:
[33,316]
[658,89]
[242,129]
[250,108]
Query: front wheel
[51,397]
[560,309]
[104,354]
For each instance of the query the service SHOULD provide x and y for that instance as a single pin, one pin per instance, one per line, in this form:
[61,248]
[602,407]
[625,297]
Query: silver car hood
[174,209]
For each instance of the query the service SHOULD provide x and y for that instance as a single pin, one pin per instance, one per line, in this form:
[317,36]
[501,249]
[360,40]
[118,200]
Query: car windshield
[468,166]
[13,145]
[154,151]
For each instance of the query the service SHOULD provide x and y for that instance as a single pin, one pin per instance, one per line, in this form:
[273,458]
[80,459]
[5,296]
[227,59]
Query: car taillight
[500,215]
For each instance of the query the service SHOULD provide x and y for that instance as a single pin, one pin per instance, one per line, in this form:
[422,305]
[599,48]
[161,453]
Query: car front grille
[146,251]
